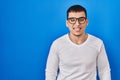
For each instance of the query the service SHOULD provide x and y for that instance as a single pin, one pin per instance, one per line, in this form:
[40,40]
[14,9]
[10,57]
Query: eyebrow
[75,17]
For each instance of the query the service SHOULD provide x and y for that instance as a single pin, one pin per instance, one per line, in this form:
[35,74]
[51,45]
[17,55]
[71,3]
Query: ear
[87,21]
[66,23]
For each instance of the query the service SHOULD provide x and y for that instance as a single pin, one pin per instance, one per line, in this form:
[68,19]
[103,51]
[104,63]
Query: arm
[103,65]
[52,64]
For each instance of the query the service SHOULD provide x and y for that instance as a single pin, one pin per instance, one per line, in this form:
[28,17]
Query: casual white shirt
[77,62]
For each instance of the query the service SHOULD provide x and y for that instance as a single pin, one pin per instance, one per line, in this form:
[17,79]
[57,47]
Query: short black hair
[76,8]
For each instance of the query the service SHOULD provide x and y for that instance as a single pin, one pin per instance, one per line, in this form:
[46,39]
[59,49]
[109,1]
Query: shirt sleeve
[103,65]
[52,64]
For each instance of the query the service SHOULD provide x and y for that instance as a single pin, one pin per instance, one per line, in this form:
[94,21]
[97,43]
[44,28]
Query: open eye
[72,20]
[82,20]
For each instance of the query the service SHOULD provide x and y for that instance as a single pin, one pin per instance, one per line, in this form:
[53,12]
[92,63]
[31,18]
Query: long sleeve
[52,64]
[103,65]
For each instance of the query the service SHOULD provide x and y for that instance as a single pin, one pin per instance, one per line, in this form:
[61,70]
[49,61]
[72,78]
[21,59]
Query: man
[77,55]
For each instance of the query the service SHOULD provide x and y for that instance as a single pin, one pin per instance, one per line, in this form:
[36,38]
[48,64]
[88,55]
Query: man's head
[77,20]
[76,8]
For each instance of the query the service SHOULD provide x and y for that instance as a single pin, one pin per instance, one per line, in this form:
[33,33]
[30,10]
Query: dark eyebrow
[75,17]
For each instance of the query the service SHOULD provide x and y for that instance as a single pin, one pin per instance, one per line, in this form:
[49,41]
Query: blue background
[28,27]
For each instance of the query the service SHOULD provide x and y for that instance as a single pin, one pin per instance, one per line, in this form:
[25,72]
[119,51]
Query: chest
[77,56]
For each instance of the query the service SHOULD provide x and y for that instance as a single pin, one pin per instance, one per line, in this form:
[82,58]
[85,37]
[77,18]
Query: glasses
[73,20]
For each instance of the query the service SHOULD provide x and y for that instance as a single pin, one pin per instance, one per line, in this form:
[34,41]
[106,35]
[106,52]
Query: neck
[78,39]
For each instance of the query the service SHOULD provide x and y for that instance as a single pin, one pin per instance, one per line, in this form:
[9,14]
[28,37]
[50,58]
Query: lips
[77,29]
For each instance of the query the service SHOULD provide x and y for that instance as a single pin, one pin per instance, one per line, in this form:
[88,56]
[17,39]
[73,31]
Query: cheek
[70,26]
[84,27]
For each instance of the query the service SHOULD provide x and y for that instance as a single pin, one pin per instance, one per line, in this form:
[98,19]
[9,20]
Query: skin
[77,31]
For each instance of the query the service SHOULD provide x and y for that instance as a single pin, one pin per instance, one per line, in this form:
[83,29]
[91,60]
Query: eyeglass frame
[76,20]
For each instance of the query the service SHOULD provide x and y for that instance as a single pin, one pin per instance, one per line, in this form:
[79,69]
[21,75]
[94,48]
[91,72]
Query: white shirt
[77,62]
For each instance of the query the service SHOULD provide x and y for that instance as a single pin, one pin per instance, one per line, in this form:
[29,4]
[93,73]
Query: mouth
[77,29]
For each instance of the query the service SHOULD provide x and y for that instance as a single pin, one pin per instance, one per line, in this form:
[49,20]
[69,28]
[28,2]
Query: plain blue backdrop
[28,27]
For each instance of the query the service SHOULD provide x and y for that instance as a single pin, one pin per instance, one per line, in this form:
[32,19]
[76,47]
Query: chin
[76,34]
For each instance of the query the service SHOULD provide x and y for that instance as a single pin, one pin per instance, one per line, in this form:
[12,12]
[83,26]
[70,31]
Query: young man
[77,55]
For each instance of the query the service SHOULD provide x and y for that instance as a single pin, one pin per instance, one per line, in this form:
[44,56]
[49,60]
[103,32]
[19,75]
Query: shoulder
[95,42]
[60,40]
[95,39]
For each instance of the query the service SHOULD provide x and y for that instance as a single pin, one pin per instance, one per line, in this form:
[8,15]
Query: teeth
[77,29]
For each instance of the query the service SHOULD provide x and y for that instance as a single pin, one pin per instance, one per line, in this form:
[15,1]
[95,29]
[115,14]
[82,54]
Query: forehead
[76,14]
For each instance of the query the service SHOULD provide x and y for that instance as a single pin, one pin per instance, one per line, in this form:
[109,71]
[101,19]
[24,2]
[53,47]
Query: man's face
[77,23]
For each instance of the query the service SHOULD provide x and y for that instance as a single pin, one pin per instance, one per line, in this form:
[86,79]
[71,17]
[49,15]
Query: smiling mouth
[77,29]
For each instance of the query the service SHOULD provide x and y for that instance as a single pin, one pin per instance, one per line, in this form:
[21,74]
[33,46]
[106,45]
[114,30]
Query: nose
[77,22]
